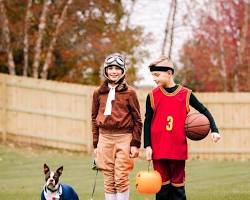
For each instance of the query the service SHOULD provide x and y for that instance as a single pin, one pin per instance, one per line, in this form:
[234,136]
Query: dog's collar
[50,194]
[46,188]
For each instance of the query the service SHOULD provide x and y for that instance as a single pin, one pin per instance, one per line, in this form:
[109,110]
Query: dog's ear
[45,168]
[59,170]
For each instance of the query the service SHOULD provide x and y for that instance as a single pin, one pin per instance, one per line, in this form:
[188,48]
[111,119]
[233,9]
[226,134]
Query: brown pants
[113,159]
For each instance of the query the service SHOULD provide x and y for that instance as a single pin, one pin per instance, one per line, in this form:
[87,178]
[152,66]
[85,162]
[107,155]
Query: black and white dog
[53,190]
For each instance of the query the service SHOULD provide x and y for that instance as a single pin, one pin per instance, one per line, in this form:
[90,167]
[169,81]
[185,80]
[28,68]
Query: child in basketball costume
[116,128]
[164,138]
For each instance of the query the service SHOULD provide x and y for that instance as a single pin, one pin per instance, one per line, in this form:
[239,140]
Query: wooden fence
[45,112]
[57,115]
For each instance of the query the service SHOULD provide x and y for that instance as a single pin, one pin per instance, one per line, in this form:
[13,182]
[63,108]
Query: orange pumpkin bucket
[148,182]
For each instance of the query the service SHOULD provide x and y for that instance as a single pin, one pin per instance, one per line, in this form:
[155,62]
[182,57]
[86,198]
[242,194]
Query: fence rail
[57,115]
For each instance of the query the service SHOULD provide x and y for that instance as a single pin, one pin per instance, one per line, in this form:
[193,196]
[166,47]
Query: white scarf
[111,97]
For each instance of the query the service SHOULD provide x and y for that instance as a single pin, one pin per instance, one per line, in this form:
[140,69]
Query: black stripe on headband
[160,69]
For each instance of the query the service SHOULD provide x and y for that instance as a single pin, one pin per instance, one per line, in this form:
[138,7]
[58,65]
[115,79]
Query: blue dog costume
[64,192]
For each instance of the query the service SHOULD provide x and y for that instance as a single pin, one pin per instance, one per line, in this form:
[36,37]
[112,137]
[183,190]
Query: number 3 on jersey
[169,125]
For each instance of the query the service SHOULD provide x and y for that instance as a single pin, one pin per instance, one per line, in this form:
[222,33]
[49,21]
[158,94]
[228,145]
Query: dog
[53,189]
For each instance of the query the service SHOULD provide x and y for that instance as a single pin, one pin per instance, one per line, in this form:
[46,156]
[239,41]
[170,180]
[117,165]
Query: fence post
[4,108]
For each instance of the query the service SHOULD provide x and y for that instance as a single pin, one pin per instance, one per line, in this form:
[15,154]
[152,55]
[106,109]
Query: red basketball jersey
[168,138]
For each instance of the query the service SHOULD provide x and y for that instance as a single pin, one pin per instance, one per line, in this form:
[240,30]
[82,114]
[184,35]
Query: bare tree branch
[243,38]
[42,25]
[169,30]
[6,36]
[166,30]
[241,45]
[26,38]
[53,41]
[172,29]
[223,71]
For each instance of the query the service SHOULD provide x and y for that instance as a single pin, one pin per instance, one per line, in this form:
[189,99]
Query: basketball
[197,126]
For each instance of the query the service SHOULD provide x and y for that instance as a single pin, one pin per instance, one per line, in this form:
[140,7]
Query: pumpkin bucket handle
[149,162]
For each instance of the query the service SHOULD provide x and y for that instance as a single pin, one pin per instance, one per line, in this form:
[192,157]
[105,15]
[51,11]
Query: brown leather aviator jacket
[125,116]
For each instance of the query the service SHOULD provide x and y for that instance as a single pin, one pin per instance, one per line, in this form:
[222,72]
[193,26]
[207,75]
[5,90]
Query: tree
[54,39]
[26,37]
[218,54]
[169,30]
[41,29]
[6,37]
[68,40]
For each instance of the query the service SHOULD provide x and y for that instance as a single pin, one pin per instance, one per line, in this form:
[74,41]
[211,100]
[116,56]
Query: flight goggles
[118,59]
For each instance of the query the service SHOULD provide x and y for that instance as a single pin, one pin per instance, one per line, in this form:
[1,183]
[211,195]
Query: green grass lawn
[21,176]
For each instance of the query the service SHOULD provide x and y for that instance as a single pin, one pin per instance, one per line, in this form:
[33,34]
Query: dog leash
[93,191]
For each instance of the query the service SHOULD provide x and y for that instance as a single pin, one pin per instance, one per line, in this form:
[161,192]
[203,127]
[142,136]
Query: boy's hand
[215,136]
[149,153]
[134,152]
